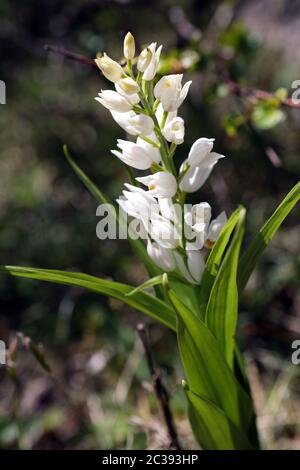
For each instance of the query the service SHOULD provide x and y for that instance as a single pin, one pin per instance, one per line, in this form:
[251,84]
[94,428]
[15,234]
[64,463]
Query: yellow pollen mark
[209,244]
[151,186]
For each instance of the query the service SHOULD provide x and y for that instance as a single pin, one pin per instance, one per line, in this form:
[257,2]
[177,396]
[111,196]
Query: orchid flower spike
[158,130]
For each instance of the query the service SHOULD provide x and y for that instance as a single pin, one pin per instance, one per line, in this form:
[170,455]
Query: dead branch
[159,388]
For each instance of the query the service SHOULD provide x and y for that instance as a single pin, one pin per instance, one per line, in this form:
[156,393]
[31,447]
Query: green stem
[139,78]
[138,109]
[164,148]
[186,168]
[150,141]
[155,105]
[145,88]
[150,93]
[132,180]
[164,119]
[129,68]
[172,150]
[156,167]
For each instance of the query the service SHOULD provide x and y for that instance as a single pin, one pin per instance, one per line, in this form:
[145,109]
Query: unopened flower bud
[129,46]
[110,68]
[129,86]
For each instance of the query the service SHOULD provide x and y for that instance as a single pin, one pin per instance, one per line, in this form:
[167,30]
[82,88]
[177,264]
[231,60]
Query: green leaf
[207,372]
[266,233]
[240,369]
[94,190]
[186,292]
[214,260]
[222,308]
[145,303]
[212,428]
[153,281]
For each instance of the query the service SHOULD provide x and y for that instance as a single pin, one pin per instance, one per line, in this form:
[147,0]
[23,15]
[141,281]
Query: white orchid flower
[196,228]
[200,163]
[191,269]
[173,130]
[200,150]
[138,203]
[170,93]
[128,86]
[114,101]
[200,216]
[160,184]
[215,228]
[151,67]
[169,210]
[160,112]
[140,155]
[134,124]
[196,264]
[163,231]
[162,257]
[133,98]
[182,268]
[110,68]
[144,60]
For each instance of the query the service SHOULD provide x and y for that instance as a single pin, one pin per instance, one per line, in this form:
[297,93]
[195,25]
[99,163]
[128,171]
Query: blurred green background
[98,394]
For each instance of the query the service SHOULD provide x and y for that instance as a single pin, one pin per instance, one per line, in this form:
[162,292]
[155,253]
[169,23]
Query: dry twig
[160,390]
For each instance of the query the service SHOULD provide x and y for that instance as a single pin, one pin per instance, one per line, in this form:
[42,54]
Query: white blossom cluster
[147,109]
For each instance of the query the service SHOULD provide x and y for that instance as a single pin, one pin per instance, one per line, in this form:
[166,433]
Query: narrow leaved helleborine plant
[197,264]
[147,108]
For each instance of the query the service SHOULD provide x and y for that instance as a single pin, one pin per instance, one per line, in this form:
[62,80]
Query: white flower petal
[162,257]
[199,150]
[216,226]
[183,269]
[174,131]
[194,178]
[114,101]
[160,184]
[196,264]
[170,93]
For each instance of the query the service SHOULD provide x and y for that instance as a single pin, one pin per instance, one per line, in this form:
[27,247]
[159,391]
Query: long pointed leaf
[206,369]
[222,308]
[212,428]
[94,190]
[262,239]
[214,260]
[153,281]
[142,301]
